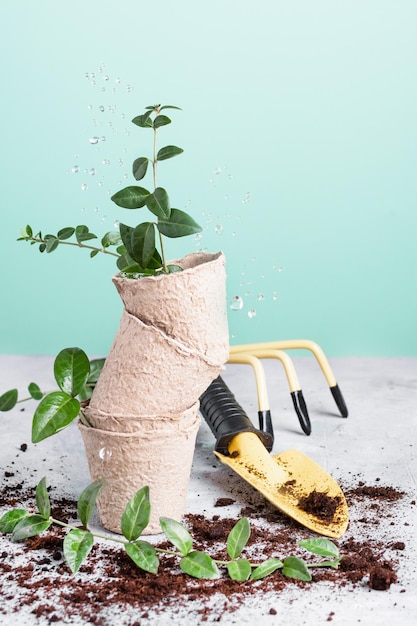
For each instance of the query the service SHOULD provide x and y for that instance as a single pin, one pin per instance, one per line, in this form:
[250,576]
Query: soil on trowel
[320,505]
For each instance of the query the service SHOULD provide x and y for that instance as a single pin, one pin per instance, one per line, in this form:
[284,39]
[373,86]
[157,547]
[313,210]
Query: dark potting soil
[35,573]
[320,504]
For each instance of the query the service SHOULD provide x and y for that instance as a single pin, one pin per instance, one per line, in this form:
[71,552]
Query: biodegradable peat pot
[143,415]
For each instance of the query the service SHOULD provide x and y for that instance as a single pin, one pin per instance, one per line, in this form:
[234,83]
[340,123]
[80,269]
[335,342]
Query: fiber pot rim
[201,258]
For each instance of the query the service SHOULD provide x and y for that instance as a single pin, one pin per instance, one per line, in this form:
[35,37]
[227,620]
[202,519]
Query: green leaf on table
[199,565]
[177,534]
[158,203]
[42,499]
[167,152]
[71,370]
[239,570]
[8,400]
[54,412]
[179,224]
[238,538]
[35,391]
[293,567]
[87,501]
[82,233]
[77,545]
[132,197]
[144,555]
[9,520]
[161,120]
[140,167]
[321,546]
[136,515]
[267,567]
[30,526]
[65,233]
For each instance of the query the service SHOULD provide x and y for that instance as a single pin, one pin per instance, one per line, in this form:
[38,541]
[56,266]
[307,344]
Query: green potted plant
[140,423]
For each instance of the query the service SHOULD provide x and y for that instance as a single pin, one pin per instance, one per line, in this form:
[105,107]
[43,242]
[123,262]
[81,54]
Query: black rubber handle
[227,418]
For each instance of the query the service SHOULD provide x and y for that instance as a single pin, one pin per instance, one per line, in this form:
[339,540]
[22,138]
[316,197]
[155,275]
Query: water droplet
[105,161]
[102,139]
[90,107]
[198,237]
[129,88]
[275,296]
[105,77]
[246,198]
[101,108]
[118,80]
[84,187]
[218,229]
[280,269]
[92,171]
[218,170]
[96,210]
[234,233]
[105,453]
[236,303]
[94,140]
[252,313]
[75,169]
[261,297]
[116,224]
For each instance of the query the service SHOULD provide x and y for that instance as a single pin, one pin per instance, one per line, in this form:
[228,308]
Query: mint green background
[300,135]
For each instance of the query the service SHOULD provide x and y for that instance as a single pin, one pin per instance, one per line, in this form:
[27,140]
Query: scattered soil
[34,575]
[320,505]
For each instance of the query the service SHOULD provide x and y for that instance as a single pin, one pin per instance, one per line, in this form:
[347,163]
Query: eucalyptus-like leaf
[143,243]
[293,567]
[82,233]
[111,238]
[77,545]
[132,197]
[179,224]
[54,412]
[266,568]
[239,570]
[199,565]
[140,167]
[161,120]
[42,499]
[30,526]
[321,546]
[65,233]
[28,231]
[144,120]
[9,520]
[238,538]
[94,253]
[87,501]
[136,515]
[8,400]
[167,152]
[177,534]
[71,370]
[51,243]
[158,203]
[144,555]
[35,391]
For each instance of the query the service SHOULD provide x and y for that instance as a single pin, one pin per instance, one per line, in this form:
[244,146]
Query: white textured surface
[377,440]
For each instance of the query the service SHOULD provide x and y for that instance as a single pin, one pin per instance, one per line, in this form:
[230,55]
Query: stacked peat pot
[140,426]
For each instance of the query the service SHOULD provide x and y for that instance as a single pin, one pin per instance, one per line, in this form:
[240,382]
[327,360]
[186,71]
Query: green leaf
[52,243]
[177,534]
[77,545]
[8,400]
[82,233]
[321,546]
[143,243]
[170,106]
[35,391]
[136,515]
[158,203]
[167,152]
[96,365]
[87,501]
[71,370]
[42,499]
[293,567]
[199,565]
[172,269]
[132,197]
[239,570]
[179,224]
[161,120]
[238,538]
[144,555]
[54,412]
[65,233]
[30,526]
[144,120]
[111,238]
[29,231]
[267,567]
[94,253]
[10,519]
[140,167]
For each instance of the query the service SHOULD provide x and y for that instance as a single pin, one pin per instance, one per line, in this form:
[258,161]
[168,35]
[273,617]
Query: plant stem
[155,184]
[77,245]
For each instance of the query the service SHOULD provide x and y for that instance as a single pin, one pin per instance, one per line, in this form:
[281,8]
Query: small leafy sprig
[79,541]
[136,249]
[75,376]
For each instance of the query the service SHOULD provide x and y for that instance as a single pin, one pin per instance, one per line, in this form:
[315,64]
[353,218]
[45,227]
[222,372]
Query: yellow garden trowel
[290,481]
